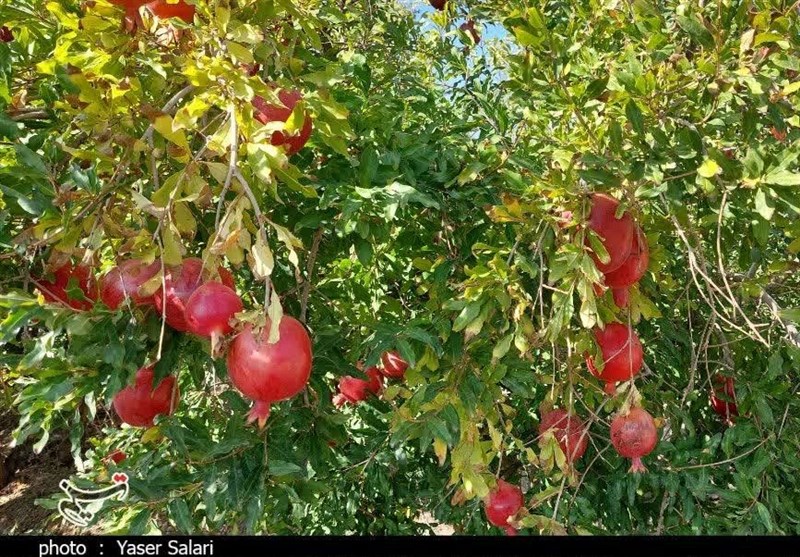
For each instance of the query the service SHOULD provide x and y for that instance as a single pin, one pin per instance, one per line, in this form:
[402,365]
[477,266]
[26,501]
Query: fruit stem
[259,412]
[637,466]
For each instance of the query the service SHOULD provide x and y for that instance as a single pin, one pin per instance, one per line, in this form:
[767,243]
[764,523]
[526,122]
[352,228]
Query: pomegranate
[469,27]
[351,390]
[56,290]
[503,502]
[634,436]
[629,272]
[615,234]
[266,113]
[394,366]
[6,35]
[181,282]
[622,354]
[268,373]
[140,403]
[124,281]
[723,397]
[438,4]
[163,10]
[568,431]
[117,456]
[375,380]
[210,308]
[131,21]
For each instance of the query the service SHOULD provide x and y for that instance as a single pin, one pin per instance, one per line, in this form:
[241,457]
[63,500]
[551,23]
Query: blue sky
[423,7]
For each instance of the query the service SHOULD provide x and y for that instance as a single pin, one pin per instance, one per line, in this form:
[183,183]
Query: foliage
[424,216]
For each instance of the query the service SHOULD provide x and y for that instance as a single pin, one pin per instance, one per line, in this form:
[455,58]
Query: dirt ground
[25,477]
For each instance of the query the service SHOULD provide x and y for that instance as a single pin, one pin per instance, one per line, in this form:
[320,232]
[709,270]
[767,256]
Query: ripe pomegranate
[210,308]
[140,403]
[266,113]
[117,456]
[268,373]
[634,436]
[124,281]
[469,27]
[568,431]
[622,354]
[723,398]
[163,10]
[394,366]
[352,390]
[438,4]
[630,271]
[503,502]
[56,290]
[181,282]
[375,380]
[131,21]
[6,35]
[615,234]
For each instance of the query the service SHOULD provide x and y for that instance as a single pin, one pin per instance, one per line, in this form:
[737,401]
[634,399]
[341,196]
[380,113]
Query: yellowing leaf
[440,448]
[184,220]
[173,250]
[261,259]
[163,125]
[709,169]
[275,314]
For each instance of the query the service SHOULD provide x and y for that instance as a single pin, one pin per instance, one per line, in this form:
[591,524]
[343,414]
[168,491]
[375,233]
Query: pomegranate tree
[502,503]
[568,430]
[634,436]
[723,397]
[622,354]
[394,366]
[616,234]
[210,308]
[181,282]
[55,290]
[630,271]
[123,282]
[268,373]
[140,403]
[266,113]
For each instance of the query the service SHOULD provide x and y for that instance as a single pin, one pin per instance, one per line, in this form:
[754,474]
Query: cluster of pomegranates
[633,432]
[202,304]
[354,390]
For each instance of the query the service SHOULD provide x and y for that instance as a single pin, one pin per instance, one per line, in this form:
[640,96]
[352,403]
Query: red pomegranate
[469,27]
[352,390]
[394,366]
[132,19]
[124,281]
[631,271]
[723,397]
[634,436]
[140,403]
[568,431]
[615,234]
[6,35]
[163,10]
[117,456]
[503,502]
[622,354]
[56,290]
[266,113]
[375,380]
[181,282]
[438,4]
[210,308]
[268,373]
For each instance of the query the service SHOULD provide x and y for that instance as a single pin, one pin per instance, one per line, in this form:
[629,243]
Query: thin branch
[312,257]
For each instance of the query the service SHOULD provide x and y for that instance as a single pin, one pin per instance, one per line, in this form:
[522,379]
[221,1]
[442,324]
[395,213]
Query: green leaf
[696,30]
[634,115]
[283,468]
[467,315]
[764,207]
